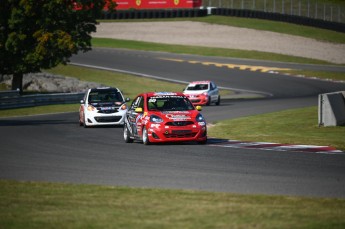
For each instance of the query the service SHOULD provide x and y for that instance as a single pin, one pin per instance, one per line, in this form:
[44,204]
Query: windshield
[169,103]
[105,96]
[197,87]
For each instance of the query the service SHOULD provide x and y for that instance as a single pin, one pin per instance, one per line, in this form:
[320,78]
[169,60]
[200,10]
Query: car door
[213,92]
[133,120]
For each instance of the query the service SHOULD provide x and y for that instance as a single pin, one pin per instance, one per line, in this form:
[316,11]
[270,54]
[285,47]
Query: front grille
[180,123]
[180,134]
[108,111]
[108,119]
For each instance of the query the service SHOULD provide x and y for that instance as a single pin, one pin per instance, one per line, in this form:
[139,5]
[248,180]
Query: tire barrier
[183,13]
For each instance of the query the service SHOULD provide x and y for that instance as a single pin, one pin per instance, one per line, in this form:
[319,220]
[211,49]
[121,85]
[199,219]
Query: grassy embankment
[45,205]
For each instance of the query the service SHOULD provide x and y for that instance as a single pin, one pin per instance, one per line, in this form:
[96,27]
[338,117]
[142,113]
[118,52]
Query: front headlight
[200,118]
[155,119]
[91,108]
[123,107]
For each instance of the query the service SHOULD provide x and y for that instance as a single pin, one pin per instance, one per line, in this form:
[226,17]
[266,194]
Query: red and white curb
[273,146]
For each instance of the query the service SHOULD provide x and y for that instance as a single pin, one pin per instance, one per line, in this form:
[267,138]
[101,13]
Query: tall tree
[40,34]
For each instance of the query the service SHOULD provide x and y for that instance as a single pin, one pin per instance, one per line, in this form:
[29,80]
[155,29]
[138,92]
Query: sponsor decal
[177,117]
[157,126]
[164,93]
[138,117]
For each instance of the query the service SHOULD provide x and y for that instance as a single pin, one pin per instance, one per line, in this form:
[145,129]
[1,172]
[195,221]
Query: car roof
[158,94]
[201,82]
[104,88]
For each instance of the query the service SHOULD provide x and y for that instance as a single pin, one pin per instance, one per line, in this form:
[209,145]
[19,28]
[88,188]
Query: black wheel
[208,101]
[80,123]
[218,101]
[146,140]
[126,134]
[203,142]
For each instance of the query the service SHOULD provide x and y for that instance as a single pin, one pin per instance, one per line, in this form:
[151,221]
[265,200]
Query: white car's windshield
[105,96]
[169,103]
[197,87]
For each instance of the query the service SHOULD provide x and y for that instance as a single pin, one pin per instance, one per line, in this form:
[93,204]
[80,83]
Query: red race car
[164,117]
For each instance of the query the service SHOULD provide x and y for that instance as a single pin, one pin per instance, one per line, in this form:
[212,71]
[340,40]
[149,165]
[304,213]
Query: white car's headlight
[123,107]
[91,108]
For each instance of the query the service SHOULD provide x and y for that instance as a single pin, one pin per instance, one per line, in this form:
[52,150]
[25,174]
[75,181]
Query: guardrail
[12,99]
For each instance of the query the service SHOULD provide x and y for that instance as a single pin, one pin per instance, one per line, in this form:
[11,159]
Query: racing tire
[126,135]
[218,101]
[202,142]
[146,140]
[208,101]
[80,123]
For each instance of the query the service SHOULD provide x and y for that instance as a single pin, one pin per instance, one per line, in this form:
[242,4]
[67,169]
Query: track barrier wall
[12,99]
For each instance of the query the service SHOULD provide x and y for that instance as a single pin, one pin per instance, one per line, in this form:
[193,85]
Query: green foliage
[42,34]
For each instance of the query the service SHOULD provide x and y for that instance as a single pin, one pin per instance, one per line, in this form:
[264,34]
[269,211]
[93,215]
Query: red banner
[157,4]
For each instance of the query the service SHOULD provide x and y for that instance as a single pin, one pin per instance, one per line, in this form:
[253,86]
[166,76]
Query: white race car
[102,106]
[202,93]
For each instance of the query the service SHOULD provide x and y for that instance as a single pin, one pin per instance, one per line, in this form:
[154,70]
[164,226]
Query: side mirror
[138,110]
[198,108]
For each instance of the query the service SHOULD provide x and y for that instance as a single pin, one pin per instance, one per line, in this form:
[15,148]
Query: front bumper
[163,133]
[198,100]
[96,119]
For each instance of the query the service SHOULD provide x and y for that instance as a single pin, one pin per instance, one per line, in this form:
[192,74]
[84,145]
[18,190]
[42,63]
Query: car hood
[107,104]
[186,92]
[176,115]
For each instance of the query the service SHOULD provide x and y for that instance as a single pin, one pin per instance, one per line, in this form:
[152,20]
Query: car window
[105,96]
[169,103]
[197,87]
[137,102]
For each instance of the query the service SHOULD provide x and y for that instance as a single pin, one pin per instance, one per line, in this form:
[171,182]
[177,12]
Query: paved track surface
[54,147]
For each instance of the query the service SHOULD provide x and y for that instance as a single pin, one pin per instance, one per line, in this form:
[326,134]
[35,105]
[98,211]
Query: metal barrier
[332,109]
[9,100]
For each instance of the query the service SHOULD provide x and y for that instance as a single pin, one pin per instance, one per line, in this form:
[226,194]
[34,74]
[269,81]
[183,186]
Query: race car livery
[164,117]
[102,106]
[202,93]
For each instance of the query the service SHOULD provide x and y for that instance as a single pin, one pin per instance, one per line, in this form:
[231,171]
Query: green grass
[335,76]
[297,126]
[39,110]
[47,205]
